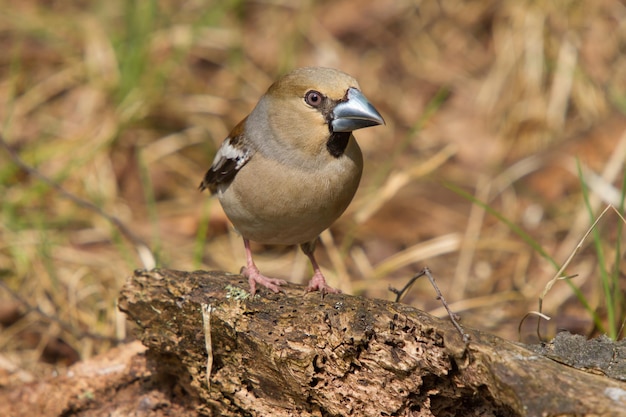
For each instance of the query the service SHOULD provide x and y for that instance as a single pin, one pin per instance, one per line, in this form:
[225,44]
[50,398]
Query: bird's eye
[313,98]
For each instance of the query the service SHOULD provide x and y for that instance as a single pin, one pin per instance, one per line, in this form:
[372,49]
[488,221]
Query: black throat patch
[337,143]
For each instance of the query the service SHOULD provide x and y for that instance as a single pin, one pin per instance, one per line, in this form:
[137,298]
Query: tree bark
[296,354]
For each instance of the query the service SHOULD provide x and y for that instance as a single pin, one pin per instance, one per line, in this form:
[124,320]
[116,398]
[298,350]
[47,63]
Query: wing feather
[229,159]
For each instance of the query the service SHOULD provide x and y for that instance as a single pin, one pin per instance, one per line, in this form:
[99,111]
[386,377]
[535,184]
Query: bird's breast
[275,203]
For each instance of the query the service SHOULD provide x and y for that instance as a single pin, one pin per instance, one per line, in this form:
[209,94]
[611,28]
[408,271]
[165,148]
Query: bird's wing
[234,153]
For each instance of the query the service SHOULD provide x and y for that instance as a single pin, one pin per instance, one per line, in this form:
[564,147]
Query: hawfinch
[290,168]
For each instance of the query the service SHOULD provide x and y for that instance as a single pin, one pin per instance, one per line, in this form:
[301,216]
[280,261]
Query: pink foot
[318,283]
[255,277]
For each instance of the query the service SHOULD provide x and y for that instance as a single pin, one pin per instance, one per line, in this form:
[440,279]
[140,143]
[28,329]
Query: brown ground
[123,106]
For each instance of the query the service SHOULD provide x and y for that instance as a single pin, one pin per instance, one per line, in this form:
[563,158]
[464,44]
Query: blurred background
[505,141]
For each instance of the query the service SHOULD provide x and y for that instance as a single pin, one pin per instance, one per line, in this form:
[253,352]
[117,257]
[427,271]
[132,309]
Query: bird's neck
[337,143]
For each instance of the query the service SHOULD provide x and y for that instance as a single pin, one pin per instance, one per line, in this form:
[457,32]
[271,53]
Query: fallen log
[296,354]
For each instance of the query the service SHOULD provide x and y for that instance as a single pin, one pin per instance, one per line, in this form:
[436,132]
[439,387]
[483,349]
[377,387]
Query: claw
[318,283]
[255,277]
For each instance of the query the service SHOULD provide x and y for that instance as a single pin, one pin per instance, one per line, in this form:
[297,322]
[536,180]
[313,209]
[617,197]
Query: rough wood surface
[290,354]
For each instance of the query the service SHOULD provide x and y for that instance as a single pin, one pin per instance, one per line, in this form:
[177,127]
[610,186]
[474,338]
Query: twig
[559,274]
[206,321]
[143,251]
[426,271]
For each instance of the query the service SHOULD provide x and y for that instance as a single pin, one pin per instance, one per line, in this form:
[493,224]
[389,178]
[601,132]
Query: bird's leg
[251,272]
[318,282]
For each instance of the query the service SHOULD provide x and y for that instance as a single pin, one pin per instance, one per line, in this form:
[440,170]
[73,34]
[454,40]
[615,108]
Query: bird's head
[312,106]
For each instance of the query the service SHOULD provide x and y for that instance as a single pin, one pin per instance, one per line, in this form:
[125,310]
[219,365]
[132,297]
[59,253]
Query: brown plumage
[289,170]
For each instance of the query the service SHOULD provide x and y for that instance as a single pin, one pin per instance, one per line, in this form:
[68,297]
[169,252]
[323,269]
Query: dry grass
[123,104]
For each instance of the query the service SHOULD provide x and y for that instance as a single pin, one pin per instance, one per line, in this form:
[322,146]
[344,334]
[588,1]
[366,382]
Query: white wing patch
[229,159]
[229,152]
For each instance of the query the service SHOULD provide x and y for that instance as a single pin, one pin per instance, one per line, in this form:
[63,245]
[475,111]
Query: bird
[290,168]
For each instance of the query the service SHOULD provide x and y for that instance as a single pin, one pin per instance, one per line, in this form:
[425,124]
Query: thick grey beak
[355,113]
